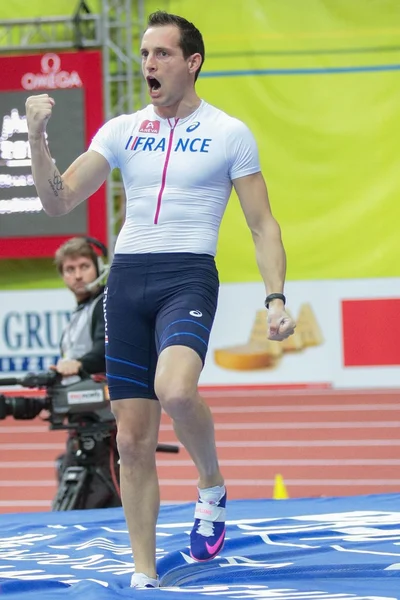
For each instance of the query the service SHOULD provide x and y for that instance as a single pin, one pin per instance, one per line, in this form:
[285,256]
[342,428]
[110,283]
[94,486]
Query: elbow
[58,209]
[58,203]
[51,212]
[266,228]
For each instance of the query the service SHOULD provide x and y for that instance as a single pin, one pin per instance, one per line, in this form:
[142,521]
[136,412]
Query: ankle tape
[209,512]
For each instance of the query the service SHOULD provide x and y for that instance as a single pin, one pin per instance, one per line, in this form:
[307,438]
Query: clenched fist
[280,324]
[38,112]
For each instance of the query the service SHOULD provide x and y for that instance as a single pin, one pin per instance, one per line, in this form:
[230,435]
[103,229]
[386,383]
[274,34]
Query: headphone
[102,268]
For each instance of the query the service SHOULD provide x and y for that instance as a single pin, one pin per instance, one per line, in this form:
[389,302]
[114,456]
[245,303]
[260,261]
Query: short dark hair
[191,41]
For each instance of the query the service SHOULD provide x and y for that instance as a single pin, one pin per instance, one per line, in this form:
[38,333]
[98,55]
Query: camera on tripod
[88,472]
[73,403]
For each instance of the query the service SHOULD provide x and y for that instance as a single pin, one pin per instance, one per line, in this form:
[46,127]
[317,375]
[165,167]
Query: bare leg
[138,423]
[177,376]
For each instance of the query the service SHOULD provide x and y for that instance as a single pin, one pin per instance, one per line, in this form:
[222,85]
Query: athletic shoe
[140,580]
[208,534]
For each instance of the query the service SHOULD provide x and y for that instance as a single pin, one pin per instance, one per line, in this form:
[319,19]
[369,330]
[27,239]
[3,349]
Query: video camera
[72,402]
[89,469]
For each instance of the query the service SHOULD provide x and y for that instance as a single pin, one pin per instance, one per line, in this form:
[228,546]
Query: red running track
[323,443]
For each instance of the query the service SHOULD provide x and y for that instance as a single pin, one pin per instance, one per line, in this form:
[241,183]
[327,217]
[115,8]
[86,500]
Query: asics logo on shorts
[196,313]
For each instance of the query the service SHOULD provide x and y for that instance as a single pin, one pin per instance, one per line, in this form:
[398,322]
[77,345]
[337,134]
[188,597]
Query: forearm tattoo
[56,184]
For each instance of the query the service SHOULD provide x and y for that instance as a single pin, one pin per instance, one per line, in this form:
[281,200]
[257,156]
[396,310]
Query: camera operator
[82,350]
[82,343]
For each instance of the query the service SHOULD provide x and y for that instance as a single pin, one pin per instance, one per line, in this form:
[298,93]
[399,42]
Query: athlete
[179,158]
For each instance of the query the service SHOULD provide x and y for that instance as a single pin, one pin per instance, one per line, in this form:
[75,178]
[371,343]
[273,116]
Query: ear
[195,62]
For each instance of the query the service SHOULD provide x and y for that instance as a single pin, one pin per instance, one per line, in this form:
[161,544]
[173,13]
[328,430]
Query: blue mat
[311,549]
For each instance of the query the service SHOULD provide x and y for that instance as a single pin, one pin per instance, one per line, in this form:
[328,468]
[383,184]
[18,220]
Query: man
[82,343]
[179,158]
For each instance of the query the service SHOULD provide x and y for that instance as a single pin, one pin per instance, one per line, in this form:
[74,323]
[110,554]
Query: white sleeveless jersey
[177,175]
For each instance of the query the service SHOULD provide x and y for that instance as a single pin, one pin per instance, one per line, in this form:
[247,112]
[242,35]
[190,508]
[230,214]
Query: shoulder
[96,302]
[96,312]
[227,122]
[126,121]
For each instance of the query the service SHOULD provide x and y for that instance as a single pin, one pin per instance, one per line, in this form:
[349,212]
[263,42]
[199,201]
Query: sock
[140,580]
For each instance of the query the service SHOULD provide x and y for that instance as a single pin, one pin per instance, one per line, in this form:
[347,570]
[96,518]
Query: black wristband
[271,297]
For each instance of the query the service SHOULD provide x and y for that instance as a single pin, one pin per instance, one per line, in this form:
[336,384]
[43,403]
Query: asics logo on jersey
[152,144]
[150,127]
[193,126]
[196,313]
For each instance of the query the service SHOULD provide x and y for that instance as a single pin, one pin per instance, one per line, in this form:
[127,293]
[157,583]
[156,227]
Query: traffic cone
[280,491]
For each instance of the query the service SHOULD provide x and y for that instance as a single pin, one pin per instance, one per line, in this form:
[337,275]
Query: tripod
[89,470]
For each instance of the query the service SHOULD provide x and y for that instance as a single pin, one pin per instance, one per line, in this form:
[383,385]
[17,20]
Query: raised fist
[38,112]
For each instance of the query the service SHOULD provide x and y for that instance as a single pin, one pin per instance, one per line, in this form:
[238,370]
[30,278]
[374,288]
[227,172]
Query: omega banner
[347,335]
[74,80]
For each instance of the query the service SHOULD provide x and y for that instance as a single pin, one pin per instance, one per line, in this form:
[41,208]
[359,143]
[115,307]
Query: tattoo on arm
[56,184]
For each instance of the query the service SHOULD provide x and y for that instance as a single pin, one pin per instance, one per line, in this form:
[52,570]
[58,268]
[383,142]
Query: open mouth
[153,84]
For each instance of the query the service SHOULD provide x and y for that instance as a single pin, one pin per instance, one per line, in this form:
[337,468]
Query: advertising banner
[31,325]
[347,335]
[74,81]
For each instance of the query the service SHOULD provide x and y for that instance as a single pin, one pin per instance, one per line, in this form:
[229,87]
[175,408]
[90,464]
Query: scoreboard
[74,80]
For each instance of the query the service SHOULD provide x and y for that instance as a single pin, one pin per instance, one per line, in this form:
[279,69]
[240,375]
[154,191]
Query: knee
[135,446]
[175,396]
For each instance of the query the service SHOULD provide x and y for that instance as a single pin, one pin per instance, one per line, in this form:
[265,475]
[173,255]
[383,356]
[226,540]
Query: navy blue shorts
[153,301]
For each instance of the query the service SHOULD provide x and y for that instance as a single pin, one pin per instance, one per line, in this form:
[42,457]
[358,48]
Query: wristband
[271,297]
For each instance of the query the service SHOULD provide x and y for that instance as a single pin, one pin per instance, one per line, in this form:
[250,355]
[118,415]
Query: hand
[67,367]
[38,112]
[280,324]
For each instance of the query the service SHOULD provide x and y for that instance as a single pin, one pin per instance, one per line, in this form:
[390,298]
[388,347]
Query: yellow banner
[318,82]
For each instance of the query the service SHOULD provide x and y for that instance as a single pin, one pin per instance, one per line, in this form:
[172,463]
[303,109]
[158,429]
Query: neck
[179,110]
[83,297]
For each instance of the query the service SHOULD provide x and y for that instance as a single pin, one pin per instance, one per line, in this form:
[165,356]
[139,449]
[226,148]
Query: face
[168,74]
[77,272]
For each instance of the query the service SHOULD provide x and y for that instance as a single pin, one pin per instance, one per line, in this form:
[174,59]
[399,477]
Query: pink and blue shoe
[208,534]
